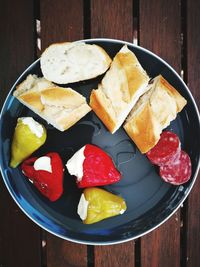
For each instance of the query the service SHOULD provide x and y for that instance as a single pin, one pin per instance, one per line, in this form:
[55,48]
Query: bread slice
[61,107]
[152,113]
[33,83]
[119,90]
[68,62]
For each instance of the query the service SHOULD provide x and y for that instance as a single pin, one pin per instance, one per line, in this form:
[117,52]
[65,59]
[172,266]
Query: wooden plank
[160,25]
[62,21]
[20,243]
[63,253]
[157,248]
[117,255]
[17,43]
[112,19]
[193,48]
[193,80]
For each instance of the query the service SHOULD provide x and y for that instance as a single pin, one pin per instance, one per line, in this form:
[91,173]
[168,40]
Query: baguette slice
[119,90]
[65,63]
[152,113]
[61,107]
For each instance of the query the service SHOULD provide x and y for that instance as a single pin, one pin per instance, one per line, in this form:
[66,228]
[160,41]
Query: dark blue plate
[150,201]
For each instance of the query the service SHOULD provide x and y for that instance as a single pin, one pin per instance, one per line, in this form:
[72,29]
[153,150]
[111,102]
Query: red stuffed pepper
[46,173]
[92,167]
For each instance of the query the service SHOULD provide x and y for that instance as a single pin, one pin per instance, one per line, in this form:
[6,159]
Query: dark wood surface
[17,232]
[168,28]
[192,59]
[164,40]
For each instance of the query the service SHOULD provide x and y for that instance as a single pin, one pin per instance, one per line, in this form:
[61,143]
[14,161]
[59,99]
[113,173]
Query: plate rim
[108,40]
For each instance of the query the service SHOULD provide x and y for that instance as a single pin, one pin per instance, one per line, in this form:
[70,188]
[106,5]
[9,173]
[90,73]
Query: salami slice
[166,151]
[178,172]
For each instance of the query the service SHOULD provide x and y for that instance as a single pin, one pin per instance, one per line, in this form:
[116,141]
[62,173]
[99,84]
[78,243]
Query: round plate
[149,199]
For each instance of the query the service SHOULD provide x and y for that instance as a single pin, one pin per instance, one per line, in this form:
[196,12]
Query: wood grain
[17,42]
[112,19]
[160,29]
[63,253]
[161,247]
[193,48]
[193,80]
[20,243]
[160,26]
[62,21]
[117,255]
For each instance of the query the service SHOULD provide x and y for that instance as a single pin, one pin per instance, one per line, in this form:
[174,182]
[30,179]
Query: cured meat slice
[178,172]
[166,151]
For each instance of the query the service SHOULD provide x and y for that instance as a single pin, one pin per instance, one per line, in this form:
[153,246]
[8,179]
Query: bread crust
[119,90]
[33,83]
[180,101]
[68,121]
[69,62]
[99,103]
[134,73]
[62,97]
[32,99]
[150,116]
[107,57]
[62,107]
[142,130]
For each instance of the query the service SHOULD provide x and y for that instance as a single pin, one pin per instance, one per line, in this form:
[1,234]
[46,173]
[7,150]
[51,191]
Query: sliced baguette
[119,90]
[33,83]
[68,62]
[152,113]
[61,107]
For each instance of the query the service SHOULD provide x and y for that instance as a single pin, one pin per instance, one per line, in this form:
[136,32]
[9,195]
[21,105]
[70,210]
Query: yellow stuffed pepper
[29,135]
[97,204]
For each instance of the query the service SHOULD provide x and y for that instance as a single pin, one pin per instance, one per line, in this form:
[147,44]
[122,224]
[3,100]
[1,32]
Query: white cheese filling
[122,211]
[33,125]
[43,163]
[75,164]
[82,207]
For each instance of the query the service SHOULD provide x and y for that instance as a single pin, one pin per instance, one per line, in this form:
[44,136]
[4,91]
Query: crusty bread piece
[119,90]
[61,107]
[68,62]
[34,83]
[152,113]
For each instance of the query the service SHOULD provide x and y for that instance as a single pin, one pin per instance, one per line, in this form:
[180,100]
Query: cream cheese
[122,211]
[75,164]
[82,207]
[43,163]
[33,125]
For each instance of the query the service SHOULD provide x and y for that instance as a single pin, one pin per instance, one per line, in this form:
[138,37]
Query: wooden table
[169,29]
